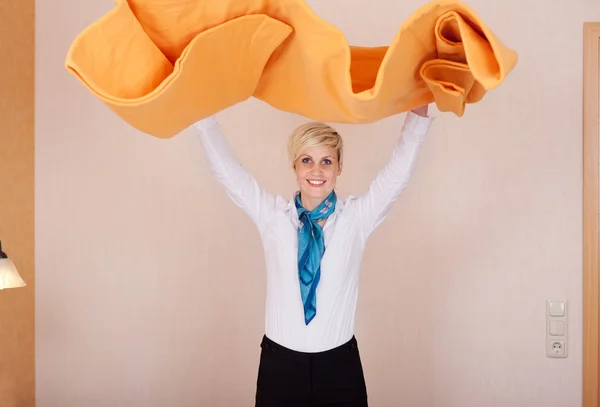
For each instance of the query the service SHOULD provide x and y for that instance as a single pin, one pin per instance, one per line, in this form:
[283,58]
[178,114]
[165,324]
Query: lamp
[9,276]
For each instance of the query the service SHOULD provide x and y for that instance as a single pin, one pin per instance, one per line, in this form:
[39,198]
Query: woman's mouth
[315,182]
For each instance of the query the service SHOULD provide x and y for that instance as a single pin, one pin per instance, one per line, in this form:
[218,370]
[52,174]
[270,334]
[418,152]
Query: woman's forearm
[240,185]
[389,183]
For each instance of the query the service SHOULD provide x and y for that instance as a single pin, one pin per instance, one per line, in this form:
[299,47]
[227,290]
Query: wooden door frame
[591,215]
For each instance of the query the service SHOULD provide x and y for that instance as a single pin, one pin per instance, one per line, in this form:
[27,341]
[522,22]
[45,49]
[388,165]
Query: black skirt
[287,378]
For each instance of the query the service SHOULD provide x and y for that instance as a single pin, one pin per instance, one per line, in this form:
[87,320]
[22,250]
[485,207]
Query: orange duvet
[163,64]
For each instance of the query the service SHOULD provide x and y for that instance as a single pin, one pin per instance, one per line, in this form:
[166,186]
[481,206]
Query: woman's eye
[327,162]
[306,160]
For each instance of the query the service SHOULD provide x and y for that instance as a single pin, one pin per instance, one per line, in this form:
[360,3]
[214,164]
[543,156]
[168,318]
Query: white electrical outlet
[557,347]
[556,329]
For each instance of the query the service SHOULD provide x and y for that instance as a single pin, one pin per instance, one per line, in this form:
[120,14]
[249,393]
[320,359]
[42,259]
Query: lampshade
[9,276]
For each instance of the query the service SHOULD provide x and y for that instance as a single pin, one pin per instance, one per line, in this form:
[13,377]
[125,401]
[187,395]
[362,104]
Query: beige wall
[150,282]
[17,369]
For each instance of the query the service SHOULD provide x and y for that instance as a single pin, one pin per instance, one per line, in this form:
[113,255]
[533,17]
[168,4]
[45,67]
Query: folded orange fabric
[161,65]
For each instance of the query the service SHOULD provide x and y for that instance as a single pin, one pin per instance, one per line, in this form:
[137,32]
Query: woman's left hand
[421,111]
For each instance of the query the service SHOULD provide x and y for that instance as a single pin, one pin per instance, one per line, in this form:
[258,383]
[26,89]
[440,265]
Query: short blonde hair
[314,134]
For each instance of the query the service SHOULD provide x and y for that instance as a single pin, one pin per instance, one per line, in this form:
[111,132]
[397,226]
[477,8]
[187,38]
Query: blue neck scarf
[311,247]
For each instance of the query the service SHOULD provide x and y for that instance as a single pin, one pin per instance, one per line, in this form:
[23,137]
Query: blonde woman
[313,247]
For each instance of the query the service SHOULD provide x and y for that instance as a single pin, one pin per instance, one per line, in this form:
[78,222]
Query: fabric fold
[162,65]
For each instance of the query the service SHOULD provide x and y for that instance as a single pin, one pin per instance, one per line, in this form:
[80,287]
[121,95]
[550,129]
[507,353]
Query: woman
[313,246]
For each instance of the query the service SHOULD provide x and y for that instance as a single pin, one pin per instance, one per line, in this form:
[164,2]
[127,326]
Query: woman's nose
[316,168]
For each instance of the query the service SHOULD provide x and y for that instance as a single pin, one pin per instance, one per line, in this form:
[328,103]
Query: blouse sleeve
[373,206]
[239,184]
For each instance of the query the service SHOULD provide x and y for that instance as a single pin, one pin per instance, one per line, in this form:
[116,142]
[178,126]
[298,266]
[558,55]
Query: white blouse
[345,233]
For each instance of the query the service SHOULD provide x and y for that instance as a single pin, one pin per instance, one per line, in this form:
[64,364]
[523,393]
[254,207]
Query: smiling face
[316,173]
[316,153]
